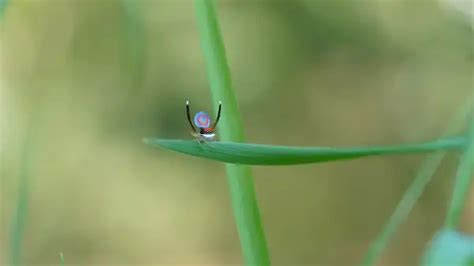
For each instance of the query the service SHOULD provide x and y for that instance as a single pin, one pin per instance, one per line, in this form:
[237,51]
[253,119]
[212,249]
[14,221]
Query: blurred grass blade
[134,35]
[61,258]
[241,184]
[19,218]
[415,190]
[404,207]
[3,6]
[450,247]
[462,183]
[258,154]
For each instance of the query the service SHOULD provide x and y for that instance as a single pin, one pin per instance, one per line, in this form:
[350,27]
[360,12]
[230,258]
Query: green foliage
[244,202]
[258,154]
[450,247]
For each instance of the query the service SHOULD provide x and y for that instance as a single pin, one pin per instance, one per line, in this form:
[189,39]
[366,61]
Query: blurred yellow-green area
[91,78]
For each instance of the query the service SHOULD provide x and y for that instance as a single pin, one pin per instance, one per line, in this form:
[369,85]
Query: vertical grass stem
[241,184]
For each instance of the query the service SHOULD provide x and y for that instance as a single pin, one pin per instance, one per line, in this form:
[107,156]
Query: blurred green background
[91,78]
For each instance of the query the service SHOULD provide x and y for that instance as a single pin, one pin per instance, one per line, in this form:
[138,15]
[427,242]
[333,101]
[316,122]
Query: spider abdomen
[202,120]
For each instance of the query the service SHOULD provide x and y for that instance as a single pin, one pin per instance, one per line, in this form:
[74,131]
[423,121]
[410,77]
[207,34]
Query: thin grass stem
[462,183]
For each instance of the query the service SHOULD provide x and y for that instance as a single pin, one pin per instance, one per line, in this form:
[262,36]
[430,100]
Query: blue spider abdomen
[202,120]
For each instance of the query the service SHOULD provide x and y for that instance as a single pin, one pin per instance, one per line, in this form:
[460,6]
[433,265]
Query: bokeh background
[85,80]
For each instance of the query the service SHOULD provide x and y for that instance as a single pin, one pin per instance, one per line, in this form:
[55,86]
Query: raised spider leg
[218,115]
[189,117]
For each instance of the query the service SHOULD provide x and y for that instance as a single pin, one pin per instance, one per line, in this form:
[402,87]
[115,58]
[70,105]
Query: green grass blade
[134,39]
[415,190]
[258,154]
[3,6]
[61,258]
[241,184]
[19,218]
[462,184]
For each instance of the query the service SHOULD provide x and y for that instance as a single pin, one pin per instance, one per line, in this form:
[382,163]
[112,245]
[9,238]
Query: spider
[202,121]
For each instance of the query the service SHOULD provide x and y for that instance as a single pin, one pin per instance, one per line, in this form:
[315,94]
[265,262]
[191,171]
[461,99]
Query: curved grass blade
[259,154]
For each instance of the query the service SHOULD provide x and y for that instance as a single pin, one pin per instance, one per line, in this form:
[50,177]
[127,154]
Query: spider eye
[202,120]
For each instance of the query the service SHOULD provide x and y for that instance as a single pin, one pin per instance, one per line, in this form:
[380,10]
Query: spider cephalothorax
[205,131]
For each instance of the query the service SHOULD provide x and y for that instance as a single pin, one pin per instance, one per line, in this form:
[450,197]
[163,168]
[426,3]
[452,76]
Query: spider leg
[201,141]
[199,138]
[218,115]
[189,117]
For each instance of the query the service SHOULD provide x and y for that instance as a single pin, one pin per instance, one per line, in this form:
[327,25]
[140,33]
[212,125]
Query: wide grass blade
[258,154]
[241,184]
